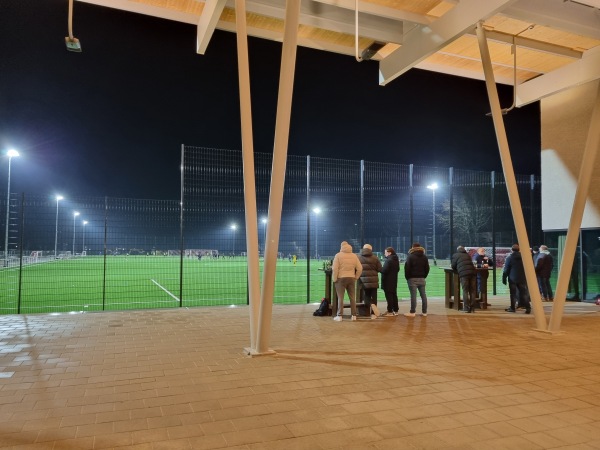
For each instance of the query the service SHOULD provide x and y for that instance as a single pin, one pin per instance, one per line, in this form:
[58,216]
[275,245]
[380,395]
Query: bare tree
[472,214]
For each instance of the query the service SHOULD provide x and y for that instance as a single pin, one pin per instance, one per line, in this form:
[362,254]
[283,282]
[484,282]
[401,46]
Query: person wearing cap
[514,273]
[346,269]
[369,279]
[389,281]
[543,269]
[416,269]
[462,264]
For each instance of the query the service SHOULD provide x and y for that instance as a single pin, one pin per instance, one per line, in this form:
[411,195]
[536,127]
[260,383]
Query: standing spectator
[535,254]
[416,270]
[389,281]
[369,279]
[482,261]
[543,269]
[514,272]
[345,271]
[462,264]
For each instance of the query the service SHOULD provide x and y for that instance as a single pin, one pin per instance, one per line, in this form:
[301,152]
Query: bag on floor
[323,309]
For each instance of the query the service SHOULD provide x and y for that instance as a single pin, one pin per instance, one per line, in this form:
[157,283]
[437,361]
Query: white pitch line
[156,283]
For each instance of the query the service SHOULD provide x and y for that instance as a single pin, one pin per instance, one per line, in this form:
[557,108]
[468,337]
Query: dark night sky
[111,120]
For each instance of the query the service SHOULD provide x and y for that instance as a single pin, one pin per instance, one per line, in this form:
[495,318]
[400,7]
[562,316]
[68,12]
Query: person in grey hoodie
[544,264]
[346,270]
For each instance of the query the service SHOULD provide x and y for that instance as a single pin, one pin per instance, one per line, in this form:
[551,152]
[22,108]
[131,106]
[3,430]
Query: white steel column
[592,147]
[282,131]
[249,179]
[511,183]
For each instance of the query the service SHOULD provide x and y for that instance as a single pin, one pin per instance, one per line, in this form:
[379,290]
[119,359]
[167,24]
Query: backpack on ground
[323,309]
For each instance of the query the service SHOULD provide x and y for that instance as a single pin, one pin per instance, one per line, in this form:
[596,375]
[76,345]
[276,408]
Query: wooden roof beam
[425,40]
[207,23]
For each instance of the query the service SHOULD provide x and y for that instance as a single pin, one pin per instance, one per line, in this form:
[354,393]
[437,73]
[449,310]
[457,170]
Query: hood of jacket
[366,251]
[345,247]
[417,250]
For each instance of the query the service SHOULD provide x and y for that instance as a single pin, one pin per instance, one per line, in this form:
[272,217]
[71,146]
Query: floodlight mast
[433,187]
[75,214]
[11,153]
[58,198]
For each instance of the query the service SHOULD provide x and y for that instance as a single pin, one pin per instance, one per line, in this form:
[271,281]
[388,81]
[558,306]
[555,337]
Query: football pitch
[95,283]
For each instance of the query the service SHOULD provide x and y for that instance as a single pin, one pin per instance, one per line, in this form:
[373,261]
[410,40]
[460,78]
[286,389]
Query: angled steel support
[280,147]
[592,148]
[249,180]
[511,182]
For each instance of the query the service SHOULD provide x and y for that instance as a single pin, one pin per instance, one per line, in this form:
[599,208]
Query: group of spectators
[348,268]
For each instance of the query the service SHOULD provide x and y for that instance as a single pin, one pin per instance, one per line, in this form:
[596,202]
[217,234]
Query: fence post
[451,208]
[362,202]
[20,252]
[105,247]
[307,229]
[181,230]
[411,201]
[492,191]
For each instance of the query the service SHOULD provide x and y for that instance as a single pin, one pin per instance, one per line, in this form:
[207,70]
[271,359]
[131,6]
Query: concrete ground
[178,379]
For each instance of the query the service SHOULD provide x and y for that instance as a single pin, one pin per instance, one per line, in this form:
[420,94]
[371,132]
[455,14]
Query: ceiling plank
[149,10]
[423,41]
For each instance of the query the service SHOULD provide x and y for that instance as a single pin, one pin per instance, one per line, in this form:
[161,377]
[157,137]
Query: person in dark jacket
[369,279]
[544,264]
[514,273]
[416,270]
[463,265]
[389,281]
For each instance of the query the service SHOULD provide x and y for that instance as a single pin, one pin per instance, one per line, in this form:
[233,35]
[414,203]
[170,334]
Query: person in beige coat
[346,270]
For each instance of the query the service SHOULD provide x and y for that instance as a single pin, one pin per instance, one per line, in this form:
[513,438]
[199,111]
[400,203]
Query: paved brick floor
[178,379]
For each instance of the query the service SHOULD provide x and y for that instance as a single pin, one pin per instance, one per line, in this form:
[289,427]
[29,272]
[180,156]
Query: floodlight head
[265,220]
[85,222]
[432,186]
[59,197]
[234,227]
[317,210]
[75,213]
[12,152]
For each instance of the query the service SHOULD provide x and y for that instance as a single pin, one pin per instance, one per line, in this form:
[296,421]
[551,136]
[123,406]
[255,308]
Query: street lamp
[433,187]
[58,198]
[75,214]
[234,227]
[264,220]
[11,153]
[317,211]
[85,222]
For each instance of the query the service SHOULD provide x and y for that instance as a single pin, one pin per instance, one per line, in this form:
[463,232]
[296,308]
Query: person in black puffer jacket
[416,270]
[514,272]
[389,281]
[369,278]
[463,265]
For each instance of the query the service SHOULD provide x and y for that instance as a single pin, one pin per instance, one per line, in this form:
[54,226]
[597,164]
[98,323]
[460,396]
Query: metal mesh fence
[120,253]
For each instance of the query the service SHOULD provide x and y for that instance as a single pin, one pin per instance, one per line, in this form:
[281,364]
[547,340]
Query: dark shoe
[466,310]
[472,309]
[510,310]
[528,311]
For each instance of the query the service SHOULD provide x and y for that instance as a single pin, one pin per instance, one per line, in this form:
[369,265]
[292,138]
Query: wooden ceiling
[557,42]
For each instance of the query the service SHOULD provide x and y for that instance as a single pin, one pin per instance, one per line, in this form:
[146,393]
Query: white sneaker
[424,314]
[338,318]
[373,317]
[408,314]
[353,319]
[395,313]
